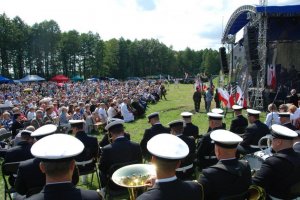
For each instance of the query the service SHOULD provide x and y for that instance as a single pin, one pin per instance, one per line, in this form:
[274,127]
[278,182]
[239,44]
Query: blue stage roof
[239,18]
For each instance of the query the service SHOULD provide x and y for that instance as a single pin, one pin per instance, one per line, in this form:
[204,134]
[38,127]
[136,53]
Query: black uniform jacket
[205,152]
[290,126]
[191,130]
[232,179]
[149,133]
[19,153]
[174,190]
[120,151]
[30,179]
[238,125]
[65,191]
[253,133]
[279,172]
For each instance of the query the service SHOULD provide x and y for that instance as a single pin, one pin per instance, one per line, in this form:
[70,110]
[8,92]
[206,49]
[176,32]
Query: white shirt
[128,116]
[272,118]
[111,112]
[102,114]
[31,115]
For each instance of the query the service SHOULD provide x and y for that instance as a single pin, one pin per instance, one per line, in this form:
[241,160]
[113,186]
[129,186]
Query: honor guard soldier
[253,133]
[156,128]
[230,177]
[58,164]
[87,159]
[167,150]
[186,168]
[239,124]
[218,111]
[205,153]
[284,119]
[30,180]
[279,174]
[189,129]
[120,151]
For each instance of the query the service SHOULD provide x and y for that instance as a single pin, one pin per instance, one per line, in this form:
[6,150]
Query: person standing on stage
[189,129]
[197,99]
[239,124]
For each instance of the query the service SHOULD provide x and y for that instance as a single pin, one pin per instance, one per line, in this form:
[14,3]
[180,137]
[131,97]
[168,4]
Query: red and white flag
[223,96]
[240,97]
[271,76]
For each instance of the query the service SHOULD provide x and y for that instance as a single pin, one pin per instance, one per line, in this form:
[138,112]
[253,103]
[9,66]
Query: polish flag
[271,76]
[240,97]
[223,96]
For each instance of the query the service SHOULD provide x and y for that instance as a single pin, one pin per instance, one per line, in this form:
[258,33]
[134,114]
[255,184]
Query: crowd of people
[51,163]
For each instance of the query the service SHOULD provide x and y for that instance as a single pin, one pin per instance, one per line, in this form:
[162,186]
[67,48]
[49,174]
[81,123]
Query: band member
[253,133]
[189,129]
[120,151]
[58,164]
[186,168]
[239,124]
[218,111]
[279,174]
[285,120]
[205,149]
[230,177]
[167,150]
[156,128]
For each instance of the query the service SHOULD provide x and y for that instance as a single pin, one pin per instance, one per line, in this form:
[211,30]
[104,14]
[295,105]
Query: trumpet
[133,177]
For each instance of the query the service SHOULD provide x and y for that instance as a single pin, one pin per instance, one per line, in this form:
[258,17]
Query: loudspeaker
[252,47]
[223,59]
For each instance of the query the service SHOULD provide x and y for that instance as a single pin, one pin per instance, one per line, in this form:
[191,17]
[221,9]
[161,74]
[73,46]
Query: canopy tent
[60,78]
[5,80]
[93,79]
[77,78]
[31,78]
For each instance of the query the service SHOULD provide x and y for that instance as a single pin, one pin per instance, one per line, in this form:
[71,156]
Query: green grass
[179,99]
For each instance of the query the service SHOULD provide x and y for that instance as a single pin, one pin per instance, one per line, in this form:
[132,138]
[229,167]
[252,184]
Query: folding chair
[89,167]
[7,170]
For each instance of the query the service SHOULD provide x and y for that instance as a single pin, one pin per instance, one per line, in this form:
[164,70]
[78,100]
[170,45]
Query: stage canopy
[60,78]
[241,16]
[5,80]
[77,78]
[31,78]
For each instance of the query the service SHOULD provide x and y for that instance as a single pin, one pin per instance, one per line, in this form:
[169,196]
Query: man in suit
[186,168]
[280,173]
[284,118]
[205,153]
[167,150]
[156,128]
[229,177]
[86,160]
[58,164]
[120,151]
[239,124]
[19,152]
[190,129]
[30,180]
[253,133]
[197,99]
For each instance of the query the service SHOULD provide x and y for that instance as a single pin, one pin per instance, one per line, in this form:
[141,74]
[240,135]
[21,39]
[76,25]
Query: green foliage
[44,50]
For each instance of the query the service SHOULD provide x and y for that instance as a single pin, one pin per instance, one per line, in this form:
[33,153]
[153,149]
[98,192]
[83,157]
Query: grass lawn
[179,99]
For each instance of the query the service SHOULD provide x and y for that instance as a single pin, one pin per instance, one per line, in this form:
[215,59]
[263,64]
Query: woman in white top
[272,116]
[112,112]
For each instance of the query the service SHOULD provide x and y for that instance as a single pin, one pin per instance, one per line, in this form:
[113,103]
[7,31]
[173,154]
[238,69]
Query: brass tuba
[133,177]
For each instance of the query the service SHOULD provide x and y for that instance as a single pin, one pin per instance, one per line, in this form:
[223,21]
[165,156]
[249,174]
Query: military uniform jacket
[65,191]
[149,133]
[253,133]
[278,173]
[120,151]
[290,126]
[191,130]
[19,153]
[30,179]
[91,147]
[238,125]
[222,182]
[205,152]
[174,190]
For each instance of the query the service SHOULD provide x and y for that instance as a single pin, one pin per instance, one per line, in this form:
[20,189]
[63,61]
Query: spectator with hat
[48,118]
[205,153]
[167,152]
[230,177]
[253,133]
[121,150]
[186,168]
[30,180]
[189,129]
[284,118]
[279,174]
[58,165]
[156,128]
[239,124]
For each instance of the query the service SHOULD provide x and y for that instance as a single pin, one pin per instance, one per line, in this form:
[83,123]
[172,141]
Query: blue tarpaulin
[5,80]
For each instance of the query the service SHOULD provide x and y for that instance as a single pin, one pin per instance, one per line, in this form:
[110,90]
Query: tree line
[45,50]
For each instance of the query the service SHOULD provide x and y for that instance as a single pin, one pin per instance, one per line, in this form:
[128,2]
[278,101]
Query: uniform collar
[164,180]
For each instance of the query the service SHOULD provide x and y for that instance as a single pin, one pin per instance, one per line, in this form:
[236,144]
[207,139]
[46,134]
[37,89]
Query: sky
[197,24]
